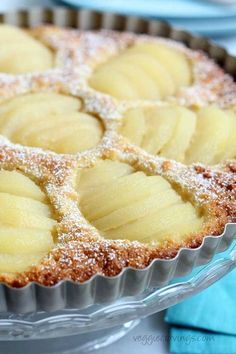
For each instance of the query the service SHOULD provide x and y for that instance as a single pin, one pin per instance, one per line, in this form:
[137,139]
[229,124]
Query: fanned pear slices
[143,71]
[206,135]
[51,121]
[26,223]
[21,53]
[215,136]
[126,204]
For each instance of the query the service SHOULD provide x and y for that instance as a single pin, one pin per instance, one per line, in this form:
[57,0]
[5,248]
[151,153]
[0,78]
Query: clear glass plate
[73,331]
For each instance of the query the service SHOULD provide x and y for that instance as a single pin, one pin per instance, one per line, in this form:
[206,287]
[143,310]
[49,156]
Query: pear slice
[134,125]
[30,112]
[230,150]
[22,203]
[23,241]
[178,220]
[212,133]
[21,53]
[144,84]
[176,147]
[136,210]
[153,69]
[21,218]
[11,55]
[27,134]
[163,80]
[173,60]
[80,140]
[16,263]
[130,189]
[161,123]
[102,173]
[9,34]
[26,223]
[113,83]
[64,103]
[17,184]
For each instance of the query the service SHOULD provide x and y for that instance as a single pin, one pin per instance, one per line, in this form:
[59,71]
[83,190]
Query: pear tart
[115,149]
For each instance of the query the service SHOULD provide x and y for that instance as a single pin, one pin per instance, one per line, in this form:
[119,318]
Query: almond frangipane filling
[26,223]
[145,71]
[21,53]
[206,135]
[51,121]
[126,204]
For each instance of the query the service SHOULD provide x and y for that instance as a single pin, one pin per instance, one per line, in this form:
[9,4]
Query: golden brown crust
[80,251]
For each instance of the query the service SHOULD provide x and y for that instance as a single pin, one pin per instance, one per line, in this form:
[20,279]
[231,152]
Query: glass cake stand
[81,331]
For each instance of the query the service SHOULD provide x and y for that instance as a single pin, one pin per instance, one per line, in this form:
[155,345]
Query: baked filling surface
[115,149]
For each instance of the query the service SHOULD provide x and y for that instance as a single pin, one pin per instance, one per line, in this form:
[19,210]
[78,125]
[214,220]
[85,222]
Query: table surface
[153,326]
